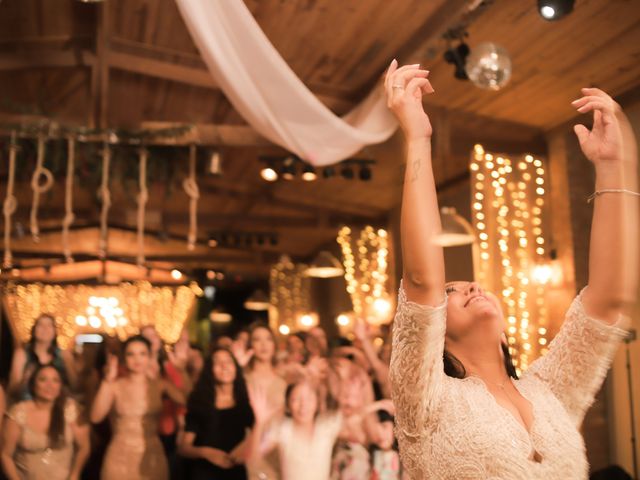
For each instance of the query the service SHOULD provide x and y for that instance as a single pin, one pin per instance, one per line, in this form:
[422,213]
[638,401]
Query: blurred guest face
[224,369]
[47,385]
[303,403]
[149,332]
[224,342]
[317,343]
[295,345]
[45,329]
[263,344]
[136,357]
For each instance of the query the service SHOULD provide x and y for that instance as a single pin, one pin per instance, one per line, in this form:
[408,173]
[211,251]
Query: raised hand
[263,411]
[607,140]
[179,356]
[111,368]
[361,329]
[405,87]
[241,353]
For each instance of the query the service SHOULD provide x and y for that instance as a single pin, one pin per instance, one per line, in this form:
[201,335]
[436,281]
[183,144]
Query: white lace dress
[451,428]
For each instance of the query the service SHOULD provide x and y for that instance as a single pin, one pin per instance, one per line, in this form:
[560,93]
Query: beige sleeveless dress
[135,451]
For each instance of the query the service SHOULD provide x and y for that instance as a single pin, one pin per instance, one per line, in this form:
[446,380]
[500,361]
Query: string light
[367,284]
[119,310]
[507,205]
[290,297]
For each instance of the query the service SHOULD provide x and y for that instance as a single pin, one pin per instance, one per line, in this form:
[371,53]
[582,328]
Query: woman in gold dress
[135,403]
[43,438]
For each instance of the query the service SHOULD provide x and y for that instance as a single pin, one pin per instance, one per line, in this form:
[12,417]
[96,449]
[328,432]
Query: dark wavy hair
[32,341]
[56,431]
[202,400]
[136,339]
[454,367]
[257,325]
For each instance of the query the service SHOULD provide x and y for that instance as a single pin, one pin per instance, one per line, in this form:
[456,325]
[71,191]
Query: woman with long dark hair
[461,411]
[43,438]
[42,349]
[218,417]
[135,402]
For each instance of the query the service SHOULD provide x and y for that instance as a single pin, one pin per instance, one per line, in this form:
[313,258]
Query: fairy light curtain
[366,264]
[119,310]
[290,297]
[269,95]
[507,200]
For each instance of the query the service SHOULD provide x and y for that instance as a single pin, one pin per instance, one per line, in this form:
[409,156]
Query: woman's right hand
[111,368]
[405,87]
[217,457]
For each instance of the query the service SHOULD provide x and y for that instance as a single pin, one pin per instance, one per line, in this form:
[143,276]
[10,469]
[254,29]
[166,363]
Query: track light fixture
[287,168]
[552,10]
[309,173]
[227,239]
[457,56]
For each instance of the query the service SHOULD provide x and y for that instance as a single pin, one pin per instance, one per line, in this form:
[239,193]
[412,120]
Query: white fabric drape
[267,93]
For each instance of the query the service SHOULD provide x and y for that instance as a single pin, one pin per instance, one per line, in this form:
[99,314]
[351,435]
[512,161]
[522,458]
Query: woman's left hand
[606,142]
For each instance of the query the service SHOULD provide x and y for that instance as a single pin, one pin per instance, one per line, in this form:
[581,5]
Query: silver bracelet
[611,190]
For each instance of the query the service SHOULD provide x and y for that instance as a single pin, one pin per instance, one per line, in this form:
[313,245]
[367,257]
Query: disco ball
[489,66]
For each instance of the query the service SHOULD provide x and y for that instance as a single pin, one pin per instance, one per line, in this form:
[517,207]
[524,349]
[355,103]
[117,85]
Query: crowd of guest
[248,408]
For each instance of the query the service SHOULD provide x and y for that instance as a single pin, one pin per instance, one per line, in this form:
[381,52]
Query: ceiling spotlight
[365,173]
[288,169]
[309,173]
[328,172]
[555,9]
[458,56]
[215,163]
[176,274]
[269,174]
[347,172]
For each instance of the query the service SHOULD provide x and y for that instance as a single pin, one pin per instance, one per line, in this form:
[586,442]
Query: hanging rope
[143,196]
[191,187]
[106,201]
[69,217]
[39,188]
[10,203]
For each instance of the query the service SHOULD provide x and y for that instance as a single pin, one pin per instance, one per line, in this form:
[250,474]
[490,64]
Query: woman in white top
[461,413]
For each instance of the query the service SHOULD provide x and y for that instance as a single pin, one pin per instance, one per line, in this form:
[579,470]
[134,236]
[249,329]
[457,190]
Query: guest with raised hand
[447,337]
[135,402]
[305,438]
[44,437]
[260,373]
[379,368]
[218,418]
[42,349]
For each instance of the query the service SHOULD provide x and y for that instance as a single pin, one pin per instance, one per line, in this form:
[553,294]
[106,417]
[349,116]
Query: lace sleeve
[578,359]
[416,370]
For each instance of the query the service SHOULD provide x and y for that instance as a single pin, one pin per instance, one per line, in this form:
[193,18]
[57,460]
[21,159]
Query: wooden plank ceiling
[132,63]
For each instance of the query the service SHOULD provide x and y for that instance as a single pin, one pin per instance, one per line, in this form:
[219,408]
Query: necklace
[499,385]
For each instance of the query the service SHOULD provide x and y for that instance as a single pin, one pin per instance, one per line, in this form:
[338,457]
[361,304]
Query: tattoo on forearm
[417,164]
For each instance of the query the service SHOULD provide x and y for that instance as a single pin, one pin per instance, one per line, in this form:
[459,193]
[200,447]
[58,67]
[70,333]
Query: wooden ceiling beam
[46,58]
[197,76]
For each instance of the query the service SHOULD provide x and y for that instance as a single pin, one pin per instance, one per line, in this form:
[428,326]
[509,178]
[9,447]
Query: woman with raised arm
[461,411]
[135,403]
